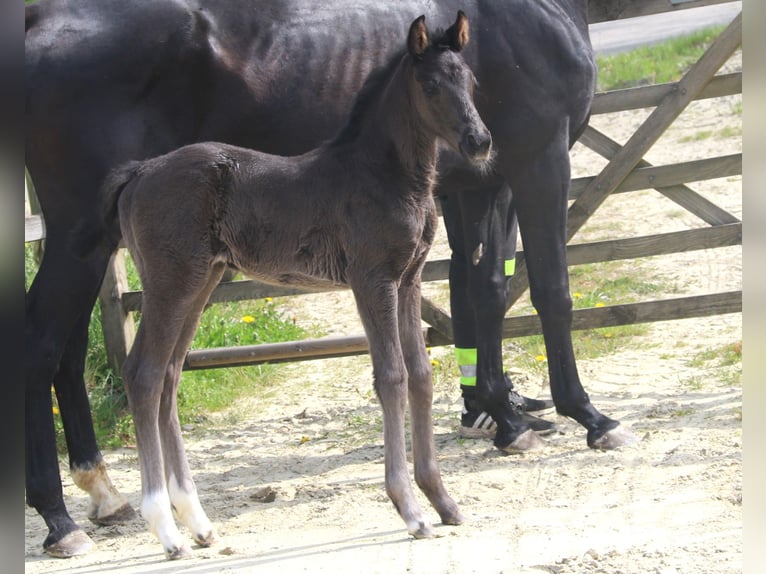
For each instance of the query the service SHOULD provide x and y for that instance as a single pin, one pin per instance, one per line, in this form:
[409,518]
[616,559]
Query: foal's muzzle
[476,145]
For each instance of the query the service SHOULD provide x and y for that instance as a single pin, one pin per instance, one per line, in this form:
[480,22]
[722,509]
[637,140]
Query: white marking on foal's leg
[155,508]
[107,505]
[190,513]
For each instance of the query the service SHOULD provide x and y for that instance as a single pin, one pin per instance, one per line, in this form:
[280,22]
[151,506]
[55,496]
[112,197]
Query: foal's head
[442,89]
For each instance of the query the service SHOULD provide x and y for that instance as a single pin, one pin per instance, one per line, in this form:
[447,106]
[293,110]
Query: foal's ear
[417,41]
[457,34]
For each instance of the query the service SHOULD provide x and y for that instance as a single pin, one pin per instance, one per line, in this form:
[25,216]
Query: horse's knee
[143,381]
[391,382]
[551,301]
[43,353]
[488,292]
[420,376]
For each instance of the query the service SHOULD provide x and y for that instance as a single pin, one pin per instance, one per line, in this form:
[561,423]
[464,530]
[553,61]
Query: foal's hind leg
[165,310]
[181,488]
[376,302]
[420,388]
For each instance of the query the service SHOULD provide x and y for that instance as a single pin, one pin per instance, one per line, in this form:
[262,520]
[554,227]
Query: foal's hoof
[124,513]
[206,540]
[615,438]
[453,519]
[73,544]
[422,530]
[178,552]
[525,442]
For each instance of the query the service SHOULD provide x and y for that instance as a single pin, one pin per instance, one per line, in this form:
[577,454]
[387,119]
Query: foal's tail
[105,232]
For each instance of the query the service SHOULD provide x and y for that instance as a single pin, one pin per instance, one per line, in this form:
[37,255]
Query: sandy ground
[294,483]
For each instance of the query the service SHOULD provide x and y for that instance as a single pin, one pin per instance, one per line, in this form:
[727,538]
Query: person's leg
[475,422]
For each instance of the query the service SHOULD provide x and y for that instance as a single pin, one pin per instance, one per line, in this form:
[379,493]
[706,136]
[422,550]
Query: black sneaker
[478,424]
[525,403]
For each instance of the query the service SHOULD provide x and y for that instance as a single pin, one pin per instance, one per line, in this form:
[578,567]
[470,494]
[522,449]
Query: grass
[655,64]
[718,365]
[592,285]
[723,133]
[723,364]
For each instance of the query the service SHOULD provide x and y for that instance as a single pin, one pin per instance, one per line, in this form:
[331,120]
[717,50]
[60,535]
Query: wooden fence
[625,171]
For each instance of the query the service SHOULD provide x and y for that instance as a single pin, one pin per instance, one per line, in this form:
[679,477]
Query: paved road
[621,35]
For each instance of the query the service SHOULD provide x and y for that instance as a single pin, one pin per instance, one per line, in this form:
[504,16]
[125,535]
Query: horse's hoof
[124,513]
[178,552]
[615,438]
[454,518]
[423,530]
[206,540]
[525,442]
[73,544]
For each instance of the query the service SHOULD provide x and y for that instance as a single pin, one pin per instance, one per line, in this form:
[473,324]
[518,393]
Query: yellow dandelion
[577,295]
[600,304]
[305,439]
[268,299]
[56,410]
[248,319]
[435,363]
[607,335]
[541,358]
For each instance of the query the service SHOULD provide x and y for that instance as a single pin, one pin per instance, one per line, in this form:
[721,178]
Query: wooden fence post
[118,325]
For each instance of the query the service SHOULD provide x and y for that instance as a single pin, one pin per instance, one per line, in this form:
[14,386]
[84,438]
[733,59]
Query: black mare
[109,81]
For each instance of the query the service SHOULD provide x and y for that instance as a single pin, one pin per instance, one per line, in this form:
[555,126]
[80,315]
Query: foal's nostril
[485,144]
[480,143]
[477,144]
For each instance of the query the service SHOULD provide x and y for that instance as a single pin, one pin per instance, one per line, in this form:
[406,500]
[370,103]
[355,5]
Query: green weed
[592,285]
[659,63]
[727,355]
[726,132]
[722,364]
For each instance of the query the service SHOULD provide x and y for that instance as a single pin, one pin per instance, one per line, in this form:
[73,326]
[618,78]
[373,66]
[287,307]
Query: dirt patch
[296,484]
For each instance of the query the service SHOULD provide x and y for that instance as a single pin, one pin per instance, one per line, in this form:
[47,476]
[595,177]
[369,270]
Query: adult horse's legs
[107,505]
[377,304]
[420,391]
[65,288]
[541,187]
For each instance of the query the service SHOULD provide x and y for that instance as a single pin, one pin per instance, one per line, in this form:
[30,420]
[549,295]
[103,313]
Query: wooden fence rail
[626,171]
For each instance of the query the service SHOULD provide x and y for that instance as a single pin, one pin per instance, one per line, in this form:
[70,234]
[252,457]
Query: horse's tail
[105,231]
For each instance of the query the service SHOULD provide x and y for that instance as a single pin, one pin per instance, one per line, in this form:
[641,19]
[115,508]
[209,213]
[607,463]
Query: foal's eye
[431,86]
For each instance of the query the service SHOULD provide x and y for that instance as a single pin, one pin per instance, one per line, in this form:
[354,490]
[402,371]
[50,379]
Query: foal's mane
[372,87]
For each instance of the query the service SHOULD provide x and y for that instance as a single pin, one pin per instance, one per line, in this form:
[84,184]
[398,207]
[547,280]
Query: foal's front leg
[420,387]
[377,303]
